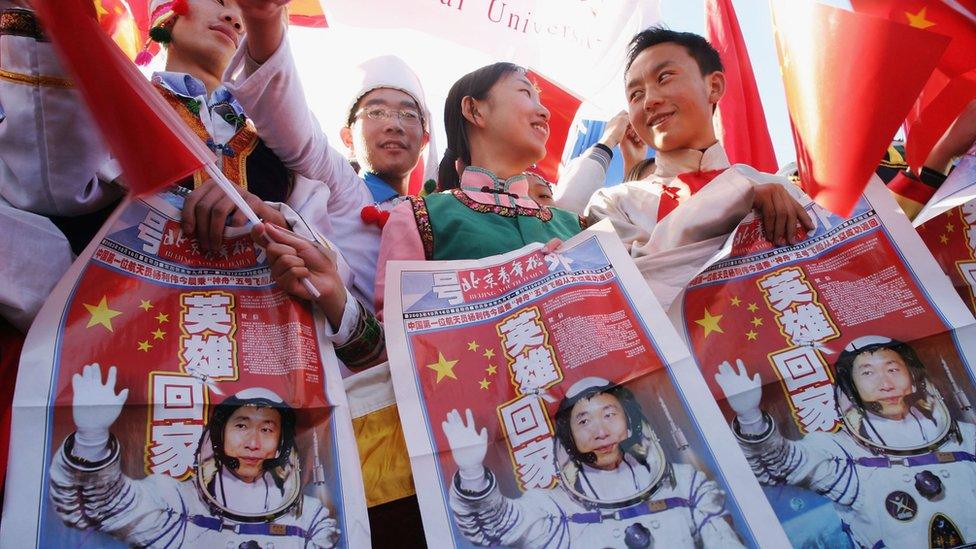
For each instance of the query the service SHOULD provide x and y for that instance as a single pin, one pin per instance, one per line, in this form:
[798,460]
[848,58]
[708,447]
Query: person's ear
[425,139]
[471,109]
[716,86]
[345,134]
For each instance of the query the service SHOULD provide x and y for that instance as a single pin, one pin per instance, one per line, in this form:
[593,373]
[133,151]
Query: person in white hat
[246,490]
[387,126]
[616,486]
[901,472]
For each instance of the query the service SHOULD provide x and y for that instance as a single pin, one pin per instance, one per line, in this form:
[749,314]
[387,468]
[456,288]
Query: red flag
[845,102]
[144,133]
[953,85]
[562,105]
[742,123]
[306,13]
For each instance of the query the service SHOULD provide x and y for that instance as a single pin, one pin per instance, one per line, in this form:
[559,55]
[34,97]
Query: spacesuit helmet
[854,410]
[284,467]
[641,442]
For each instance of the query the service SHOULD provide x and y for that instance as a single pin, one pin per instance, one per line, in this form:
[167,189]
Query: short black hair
[697,46]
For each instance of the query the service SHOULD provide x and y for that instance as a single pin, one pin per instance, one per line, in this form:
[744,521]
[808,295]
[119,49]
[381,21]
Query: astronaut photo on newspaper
[616,485]
[246,489]
[900,469]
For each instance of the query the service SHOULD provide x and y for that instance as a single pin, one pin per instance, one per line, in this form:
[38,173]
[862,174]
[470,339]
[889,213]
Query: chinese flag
[117,20]
[562,105]
[306,13]
[953,84]
[845,102]
[145,134]
[742,123]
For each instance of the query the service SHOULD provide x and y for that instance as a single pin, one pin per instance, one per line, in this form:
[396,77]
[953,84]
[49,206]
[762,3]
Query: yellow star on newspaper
[735,301]
[484,383]
[101,314]
[918,20]
[145,346]
[752,307]
[751,335]
[489,354]
[491,369]
[710,323]
[443,367]
[158,334]
[473,346]
[145,305]
[162,317]
[944,239]
[756,321]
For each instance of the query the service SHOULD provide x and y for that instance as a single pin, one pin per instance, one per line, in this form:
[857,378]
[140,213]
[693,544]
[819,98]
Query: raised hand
[742,392]
[468,446]
[95,407]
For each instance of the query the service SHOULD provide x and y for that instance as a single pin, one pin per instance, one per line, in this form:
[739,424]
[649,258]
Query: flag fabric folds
[742,123]
[562,105]
[953,84]
[151,144]
[845,103]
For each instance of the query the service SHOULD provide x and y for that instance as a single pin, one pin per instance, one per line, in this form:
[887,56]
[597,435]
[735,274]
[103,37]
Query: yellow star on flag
[144,346]
[443,367]
[101,314]
[484,383]
[145,305]
[918,20]
[489,354]
[944,239]
[162,317]
[756,321]
[158,334]
[491,369]
[735,301]
[473,346]
[751,335]
[950,227]
[710,323]
[752,307]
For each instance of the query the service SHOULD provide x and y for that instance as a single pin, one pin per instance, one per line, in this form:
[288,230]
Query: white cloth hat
[389,71]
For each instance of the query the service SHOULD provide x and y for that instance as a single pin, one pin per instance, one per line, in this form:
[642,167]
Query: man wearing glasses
[386,129]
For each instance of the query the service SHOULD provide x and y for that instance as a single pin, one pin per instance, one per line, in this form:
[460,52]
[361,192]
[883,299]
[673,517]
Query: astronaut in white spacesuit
[246,491]
[901,472]
[616,488]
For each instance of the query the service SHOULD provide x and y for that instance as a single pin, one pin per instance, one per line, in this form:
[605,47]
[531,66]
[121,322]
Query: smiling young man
[674,81]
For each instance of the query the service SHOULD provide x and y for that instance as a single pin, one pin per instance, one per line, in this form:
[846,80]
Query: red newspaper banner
[842,366]
[546,401]
[951,234]
[183,385]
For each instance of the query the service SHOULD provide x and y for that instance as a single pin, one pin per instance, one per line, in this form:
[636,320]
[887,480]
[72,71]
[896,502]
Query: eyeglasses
[406,116]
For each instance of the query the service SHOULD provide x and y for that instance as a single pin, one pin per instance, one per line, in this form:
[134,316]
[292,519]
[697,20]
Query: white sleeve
[49,144]
[583,176]
[273,98]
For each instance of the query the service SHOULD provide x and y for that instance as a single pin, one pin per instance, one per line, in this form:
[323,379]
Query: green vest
[453,226]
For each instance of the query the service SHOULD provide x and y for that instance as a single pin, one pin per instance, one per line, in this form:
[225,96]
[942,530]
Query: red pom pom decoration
[370,214]
[180,7]
[384,217]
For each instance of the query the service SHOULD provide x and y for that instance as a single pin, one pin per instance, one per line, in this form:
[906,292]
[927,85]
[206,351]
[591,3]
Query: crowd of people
[231,76]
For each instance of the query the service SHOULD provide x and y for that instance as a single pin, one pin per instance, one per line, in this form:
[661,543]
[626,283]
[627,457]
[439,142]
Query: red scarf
[695,181]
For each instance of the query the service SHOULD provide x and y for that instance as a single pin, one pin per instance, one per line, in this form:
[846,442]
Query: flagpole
[235,196]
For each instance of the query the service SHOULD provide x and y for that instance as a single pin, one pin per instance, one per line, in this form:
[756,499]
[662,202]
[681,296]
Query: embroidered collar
[380,190]
[483,187]
[672,163]
[190,87]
